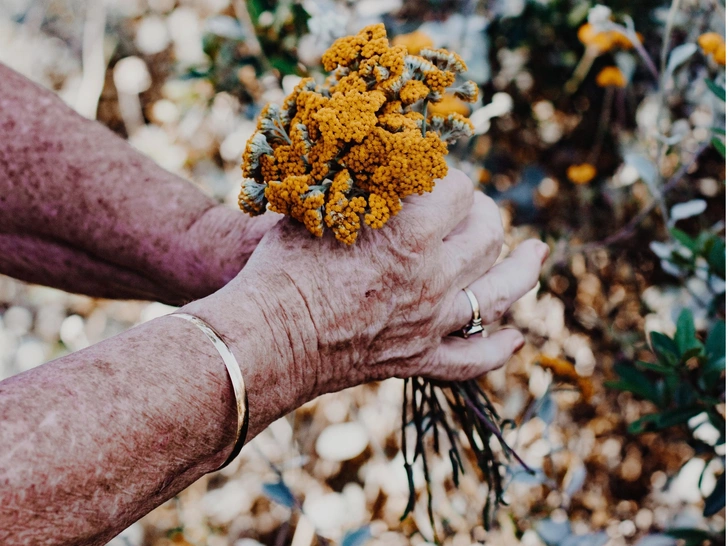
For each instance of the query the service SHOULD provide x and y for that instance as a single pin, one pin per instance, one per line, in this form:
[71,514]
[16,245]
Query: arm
[92,442]
[82,211]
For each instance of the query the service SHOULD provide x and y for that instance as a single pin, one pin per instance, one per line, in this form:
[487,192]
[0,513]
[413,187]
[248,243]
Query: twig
[668,33]
[581,70]
[493,429]
[606,114]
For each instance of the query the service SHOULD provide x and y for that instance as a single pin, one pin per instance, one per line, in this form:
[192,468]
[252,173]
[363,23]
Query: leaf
[676,416]
[227,27]
[547,409]
[634,381]
[716,257]
[678,56]
[685,333]
[642,424]
[719,145]
[280,493]
[715,349]
[681,211]
[661,250]
[577,476]
[665,349]
[718,130]
[357,537]
[684,395]
[684,239]
[691,536]
[717,90]
[654,367]
[552,532]
[645,168]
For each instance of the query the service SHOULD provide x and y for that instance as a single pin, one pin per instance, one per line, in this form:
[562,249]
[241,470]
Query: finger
[458,359]
[442,210]
[475,244]
[501,287]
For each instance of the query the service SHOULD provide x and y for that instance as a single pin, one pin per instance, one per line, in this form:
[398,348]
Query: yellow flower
[710,42]
[413,91]
[448,105]
[565,370]
[351,149]
[611,76]
[719,55]
[581,174]
[601,42]
[414,41]
[604,41]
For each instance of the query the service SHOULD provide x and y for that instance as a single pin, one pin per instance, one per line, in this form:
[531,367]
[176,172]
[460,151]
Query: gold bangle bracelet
[236,377]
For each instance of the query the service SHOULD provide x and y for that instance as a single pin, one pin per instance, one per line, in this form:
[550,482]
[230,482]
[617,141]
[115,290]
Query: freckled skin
[91,442]
[82,211]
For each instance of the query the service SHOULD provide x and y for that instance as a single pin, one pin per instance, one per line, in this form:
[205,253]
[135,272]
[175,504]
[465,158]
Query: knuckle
[499,299]
[462,186]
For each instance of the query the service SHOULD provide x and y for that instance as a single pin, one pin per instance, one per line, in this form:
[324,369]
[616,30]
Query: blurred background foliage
[602,131]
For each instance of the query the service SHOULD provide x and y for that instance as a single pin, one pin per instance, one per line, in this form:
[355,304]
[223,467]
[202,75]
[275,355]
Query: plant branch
[628,230]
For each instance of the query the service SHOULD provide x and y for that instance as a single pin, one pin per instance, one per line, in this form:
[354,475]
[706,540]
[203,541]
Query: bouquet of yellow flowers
[351,149]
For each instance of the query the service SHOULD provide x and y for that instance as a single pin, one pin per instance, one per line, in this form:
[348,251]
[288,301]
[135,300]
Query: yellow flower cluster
[713,45]
[611,76]
[351,149]
[582,173]
[603,41]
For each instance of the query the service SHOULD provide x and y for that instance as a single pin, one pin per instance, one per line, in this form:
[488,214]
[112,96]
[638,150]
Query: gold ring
[475,326]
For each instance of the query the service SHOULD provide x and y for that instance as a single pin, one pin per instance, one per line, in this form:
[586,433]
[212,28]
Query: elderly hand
[341,316]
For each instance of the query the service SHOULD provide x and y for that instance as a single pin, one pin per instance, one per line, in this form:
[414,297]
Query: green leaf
[685,333]
[715,351]
[634,381]
[684,395]
[684,239]
[719,145]
[717,90]
[665,349]
[718,130]
[676,416]
[654,367]
[642,424]
[716,257]
[697,350]
[284,65]
[716,500]
[692,537]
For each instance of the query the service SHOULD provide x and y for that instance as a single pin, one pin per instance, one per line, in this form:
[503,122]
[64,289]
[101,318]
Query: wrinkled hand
[384,307]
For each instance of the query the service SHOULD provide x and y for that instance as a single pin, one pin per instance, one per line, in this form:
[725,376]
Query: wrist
[272,358]
[212,250]
[217,246]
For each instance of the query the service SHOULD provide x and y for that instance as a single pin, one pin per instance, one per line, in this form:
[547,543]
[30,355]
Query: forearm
[91,442]
[100,218]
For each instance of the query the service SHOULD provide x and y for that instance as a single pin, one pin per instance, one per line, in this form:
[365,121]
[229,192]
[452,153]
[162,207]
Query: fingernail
[518,345]
[544,251]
